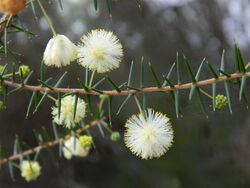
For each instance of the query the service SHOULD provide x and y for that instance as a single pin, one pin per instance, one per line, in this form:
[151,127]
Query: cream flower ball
[100,51]
[67,118]
[60,51]
[73,147]
[150,136]
[30,170]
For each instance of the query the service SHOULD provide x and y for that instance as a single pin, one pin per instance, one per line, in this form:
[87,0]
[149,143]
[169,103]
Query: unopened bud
[115,136]
[221,102]
[25,70]
[85,141]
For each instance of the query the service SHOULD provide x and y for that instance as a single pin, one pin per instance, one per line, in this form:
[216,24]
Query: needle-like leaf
[154,75]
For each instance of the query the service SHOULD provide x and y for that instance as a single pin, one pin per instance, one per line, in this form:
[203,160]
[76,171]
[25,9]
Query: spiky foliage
[15,78]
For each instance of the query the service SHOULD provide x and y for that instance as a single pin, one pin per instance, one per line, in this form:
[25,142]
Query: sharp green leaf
[177,107]
[222,64]
[169,74]
[178,68]
[191,75]
[114,85]
[130,73]
[154,75]
[123,104]
[197,78]
[110,111]
[224,73]
[228,96]
[96,4]
[142,73]
[75,104]
[242,86]
[214,94]
[214,74]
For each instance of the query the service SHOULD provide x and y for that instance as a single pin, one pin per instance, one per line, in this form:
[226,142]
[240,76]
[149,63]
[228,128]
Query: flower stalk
[47,17]
[92,79]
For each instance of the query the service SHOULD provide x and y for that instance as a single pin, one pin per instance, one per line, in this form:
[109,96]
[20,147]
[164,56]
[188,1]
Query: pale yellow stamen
[98,53]
[148,135]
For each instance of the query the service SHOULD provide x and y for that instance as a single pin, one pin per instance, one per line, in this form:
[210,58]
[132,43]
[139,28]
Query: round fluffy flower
[30,170]
[66,117]
[60,51]
[149,136]
[12,7]
[73,147]
[100,51]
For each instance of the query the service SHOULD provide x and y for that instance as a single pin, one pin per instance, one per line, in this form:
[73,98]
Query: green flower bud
[221,102]
[115,136]
[25,70]
[85,141]
[1,105]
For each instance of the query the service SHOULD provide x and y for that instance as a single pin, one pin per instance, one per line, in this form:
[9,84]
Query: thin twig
[127,92]
[48,144]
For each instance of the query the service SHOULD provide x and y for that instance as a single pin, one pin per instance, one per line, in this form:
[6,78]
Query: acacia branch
[126,92]
[48,144]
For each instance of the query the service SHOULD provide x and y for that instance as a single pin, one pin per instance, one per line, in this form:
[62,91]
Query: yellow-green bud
[221,102]
[104,97]
[1,105]
[115,136]
[25,70]
[85,141]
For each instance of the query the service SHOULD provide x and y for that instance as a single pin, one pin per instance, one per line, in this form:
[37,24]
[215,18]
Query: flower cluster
[98,51]
[148,135]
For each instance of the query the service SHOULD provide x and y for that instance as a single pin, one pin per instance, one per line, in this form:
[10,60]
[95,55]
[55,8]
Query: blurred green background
[207,153]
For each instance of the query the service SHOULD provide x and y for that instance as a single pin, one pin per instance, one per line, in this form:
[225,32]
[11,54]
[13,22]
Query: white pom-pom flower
[60,51]
[30,170]
[100,51]
[77,147]
[66,117]
[150,136]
